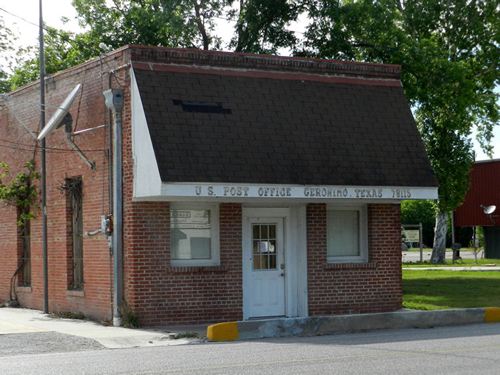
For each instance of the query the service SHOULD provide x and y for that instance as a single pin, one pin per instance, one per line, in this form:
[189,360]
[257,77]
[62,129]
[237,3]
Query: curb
[327,325]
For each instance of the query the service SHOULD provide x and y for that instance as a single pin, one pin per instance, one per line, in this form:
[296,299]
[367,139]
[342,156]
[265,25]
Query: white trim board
[295,255]
[147,180]
[239,192]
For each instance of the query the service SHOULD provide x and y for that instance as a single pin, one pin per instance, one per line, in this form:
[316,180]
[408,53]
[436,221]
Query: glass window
[24,233]
[264,246]
[346,235]
[193,235]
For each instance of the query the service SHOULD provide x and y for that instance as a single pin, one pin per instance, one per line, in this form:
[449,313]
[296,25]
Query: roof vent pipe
[114,102]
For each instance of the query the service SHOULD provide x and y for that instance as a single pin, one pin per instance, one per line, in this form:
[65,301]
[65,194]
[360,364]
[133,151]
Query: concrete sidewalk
[454,268]
[19,320]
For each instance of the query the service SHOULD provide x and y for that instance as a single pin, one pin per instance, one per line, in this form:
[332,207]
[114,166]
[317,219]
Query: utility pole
[44,168]
[114,102]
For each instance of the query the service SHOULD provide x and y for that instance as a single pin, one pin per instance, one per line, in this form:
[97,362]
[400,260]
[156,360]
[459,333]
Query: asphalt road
[43,342]
[473,349]
[414,256]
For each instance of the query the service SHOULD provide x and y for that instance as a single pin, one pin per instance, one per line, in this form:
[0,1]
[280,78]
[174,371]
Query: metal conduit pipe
[114,102]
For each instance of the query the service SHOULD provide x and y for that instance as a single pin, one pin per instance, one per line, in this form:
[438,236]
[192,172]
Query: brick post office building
[253,186]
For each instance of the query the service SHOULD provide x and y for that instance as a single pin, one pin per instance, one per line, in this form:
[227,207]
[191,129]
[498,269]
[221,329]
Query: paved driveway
[14,344]
[473,349]
[414,256]
[20,321]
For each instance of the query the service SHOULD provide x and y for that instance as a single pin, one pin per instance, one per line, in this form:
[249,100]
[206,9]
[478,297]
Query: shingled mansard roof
[235,118]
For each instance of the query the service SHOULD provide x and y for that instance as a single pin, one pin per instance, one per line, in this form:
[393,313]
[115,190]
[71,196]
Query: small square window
[194,237]
[347,235]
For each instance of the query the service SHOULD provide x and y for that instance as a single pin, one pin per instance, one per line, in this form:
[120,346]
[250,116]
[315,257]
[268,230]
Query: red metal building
[484,191]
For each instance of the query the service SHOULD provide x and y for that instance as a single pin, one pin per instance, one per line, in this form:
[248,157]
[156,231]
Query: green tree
[6,39]
[260,28]
[169,23]
[416,212]
[261,25]
[62,50]
[448,50]
[19,191]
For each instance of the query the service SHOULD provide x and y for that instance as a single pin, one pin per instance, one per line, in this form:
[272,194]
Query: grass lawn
[437,289]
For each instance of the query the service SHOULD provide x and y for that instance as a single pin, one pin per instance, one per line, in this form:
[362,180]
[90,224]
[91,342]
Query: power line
[17,148]
[53,29]
[21,18]
[47,28]
[53,149]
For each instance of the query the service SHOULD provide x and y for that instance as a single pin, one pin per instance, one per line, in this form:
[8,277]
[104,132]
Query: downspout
[114,102]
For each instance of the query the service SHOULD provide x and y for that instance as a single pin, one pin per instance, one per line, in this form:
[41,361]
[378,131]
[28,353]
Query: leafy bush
[415,212]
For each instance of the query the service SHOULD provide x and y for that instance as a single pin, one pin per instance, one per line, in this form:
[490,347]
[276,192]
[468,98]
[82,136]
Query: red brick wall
[356,288]
[162,294]
[19,111]
[159,293]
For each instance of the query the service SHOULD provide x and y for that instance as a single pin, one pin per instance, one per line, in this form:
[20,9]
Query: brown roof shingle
[207,126]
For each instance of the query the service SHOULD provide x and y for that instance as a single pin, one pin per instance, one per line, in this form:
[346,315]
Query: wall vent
[201,107]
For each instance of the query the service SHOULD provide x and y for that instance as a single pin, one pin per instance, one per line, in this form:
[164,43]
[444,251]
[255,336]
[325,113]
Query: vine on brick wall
[20,192]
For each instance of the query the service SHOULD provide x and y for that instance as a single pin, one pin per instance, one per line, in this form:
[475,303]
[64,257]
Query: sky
[54,10]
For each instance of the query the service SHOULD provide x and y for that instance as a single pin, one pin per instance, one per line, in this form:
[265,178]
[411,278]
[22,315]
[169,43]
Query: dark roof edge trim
[265,74]
[262,62]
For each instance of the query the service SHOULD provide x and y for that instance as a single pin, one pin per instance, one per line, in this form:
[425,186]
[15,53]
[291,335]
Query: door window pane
[272,232]
[264,246]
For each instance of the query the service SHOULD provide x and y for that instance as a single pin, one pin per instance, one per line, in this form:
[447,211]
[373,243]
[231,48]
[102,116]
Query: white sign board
[411,235]
[190,219]
[293,191]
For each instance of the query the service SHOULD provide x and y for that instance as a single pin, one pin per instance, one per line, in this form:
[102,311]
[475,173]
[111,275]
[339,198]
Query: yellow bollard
[227,331]
[492,314]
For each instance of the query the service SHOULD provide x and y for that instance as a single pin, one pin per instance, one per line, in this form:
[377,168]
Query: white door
[264,268]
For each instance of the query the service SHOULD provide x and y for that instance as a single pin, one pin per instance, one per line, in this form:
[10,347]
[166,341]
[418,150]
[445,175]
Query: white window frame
[214,234]
[363,234]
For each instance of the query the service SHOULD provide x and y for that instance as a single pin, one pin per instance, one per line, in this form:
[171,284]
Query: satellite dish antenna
[488,210]
[57,118]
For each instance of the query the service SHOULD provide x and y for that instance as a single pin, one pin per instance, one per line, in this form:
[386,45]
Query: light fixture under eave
[488,210]
[58,117]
